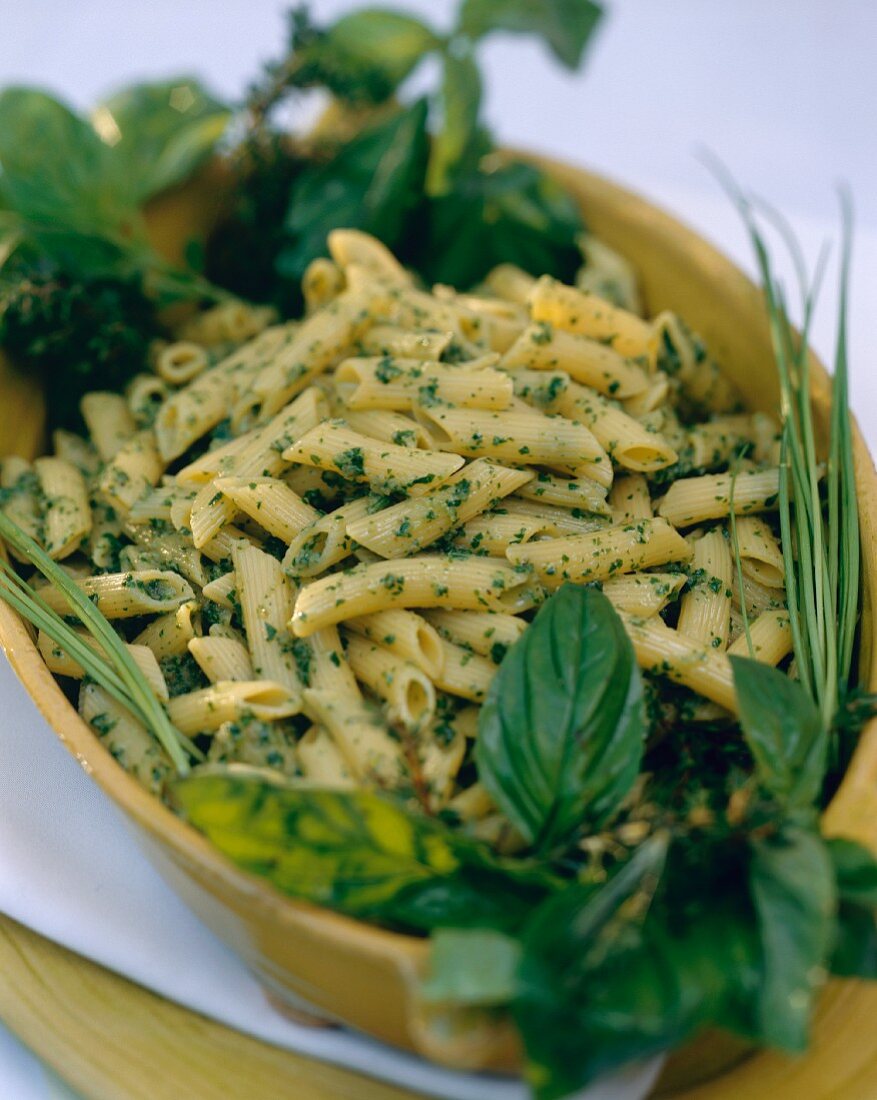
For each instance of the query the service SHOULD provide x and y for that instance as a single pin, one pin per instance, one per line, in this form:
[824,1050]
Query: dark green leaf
[792,884]
[57,173]
[472,967]
[783,729]
[366,54]
[615,974]
[561,731]
[371,184]
[564,25]
[461,101]
[855,946]
[855,871]
[499,213]
[360,853]
[160,133]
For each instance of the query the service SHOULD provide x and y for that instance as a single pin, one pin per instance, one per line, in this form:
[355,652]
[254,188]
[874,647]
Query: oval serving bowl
[315,961]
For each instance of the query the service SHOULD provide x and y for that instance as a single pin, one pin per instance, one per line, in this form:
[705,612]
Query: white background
[784,90]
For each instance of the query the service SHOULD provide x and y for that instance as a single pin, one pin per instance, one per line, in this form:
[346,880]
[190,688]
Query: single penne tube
[77,451]
[215,462]
[67,512]
[571,310]
[109,421]
[630,499]
[755,596]
[127,739]
[262,456]
[492,532]
[353,246]
[321,283]
[624,439]
[404,633]
[660,649]
[611,551]
[408,343]
[222,658]
[594,364]
[770,636]
[326,541]
[579,494]
[465,674]
[124,595]
[643,594]
[510,283]
[413,524]
[695,499]
[145,394]
[489,633]
[132,471]
[62,664]
[205,710]
[316,344]
[386,467]
[429,580]
[271,503]
[211,510]
[558,521]
[180,362]
[364,742]
[384,382]
[761,556]
[266,598]
[705,609]
[392,427]
[169,635]
[518,436]
[328,668]
[223,591]
[20,500]
[405,689]
[322,762]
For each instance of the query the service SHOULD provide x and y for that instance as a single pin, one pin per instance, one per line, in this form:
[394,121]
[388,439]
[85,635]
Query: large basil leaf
[498,213]
[783,729]
[612,975]
[366,54]
[57,173]
[360,853]
[562,729]
[160,133]
[476,967]
[371,184]
[793,891]
[564,25]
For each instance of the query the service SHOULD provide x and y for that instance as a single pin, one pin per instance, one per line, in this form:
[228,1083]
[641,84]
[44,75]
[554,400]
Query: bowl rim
[403,949]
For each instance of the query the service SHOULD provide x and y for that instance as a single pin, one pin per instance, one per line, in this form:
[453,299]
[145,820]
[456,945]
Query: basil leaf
[855,870]
[57,174]
[477,967]
[366,54]
[372,184]
[792,884]
[855,946]
[461,100]
[510,213]
[617,973]
[566,26]
[783,729]
[360,853]
[562,729]
[160,133]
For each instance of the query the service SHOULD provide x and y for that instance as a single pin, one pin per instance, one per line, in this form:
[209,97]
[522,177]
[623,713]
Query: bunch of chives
[112,667]
[820,537]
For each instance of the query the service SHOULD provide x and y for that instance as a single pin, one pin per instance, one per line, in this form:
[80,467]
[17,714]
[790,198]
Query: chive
[738,561]
[116,672]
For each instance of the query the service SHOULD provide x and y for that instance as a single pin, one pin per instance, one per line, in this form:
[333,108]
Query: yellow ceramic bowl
[366,977]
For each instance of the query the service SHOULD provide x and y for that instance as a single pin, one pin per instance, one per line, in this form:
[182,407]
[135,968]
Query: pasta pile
[319,538]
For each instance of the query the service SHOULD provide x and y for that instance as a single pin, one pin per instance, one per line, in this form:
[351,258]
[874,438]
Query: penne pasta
[695,499]
[124,595]
[405,634]
[67,516]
